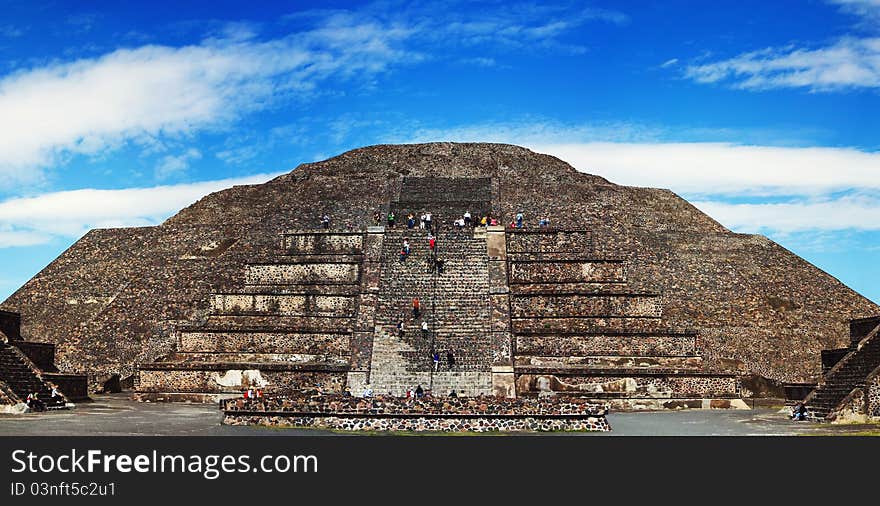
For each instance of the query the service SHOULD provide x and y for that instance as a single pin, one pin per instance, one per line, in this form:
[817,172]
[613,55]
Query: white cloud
[798,216]
[821,188]
[69,214]
[869,10]
[90,105]
[849,63]
[721,168]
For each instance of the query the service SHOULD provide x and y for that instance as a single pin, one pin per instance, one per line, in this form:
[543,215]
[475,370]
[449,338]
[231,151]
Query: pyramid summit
[627,293]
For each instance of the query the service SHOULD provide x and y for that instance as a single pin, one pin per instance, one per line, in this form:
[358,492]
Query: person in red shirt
[416,307]
[432,242]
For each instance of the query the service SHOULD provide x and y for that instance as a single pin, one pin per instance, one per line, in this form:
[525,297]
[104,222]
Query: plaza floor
[117,415]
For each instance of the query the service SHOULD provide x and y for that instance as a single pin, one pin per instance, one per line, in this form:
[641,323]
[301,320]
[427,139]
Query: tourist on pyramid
[391,218]
[459,223]
[425,329]
[400,328]
[519,219]
[431,242]
[436,358]
[419,391]
[428,222]
[450,359]
[453,394]
[439,264]
[403,254]
[325,221]
[368,391]
[467,218]
[544,222]
[422,222]
[377,218]
[406,246]
[416,307]
[410,221]
[483,222]
[429,263]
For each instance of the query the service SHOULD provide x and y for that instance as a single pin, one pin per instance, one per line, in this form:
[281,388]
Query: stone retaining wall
[567,272]
[292,274]
[444,414]
[317,243]
[423,424]
[549,306]
[265,342]
[289,304]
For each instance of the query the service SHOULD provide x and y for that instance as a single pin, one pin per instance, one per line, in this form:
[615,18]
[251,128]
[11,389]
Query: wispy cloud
[724,168]
[846,213]
[176,164]
[69,214]
[145,94]
[91,105]
[747,188]
[851,62]
[867,10]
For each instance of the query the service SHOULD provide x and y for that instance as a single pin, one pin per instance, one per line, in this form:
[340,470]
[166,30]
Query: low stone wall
[539,241]
[235,380]
[581,305]
[567,272]
[874,396]
[304,273]
[423,424]
[444,414]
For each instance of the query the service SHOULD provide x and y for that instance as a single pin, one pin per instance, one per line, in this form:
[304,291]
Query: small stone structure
[850,388]
[28,367]
[475,414]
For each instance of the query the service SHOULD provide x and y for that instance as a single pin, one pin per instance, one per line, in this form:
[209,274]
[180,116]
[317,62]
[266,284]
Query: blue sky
[764,114]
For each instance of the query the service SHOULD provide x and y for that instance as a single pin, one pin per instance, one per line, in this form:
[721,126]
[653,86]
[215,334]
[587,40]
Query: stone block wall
[571,242]
[286,304]
[219,380]
[302,274]
[637,384]
[586,305]
[316,243]
[873,396]
[567,272]
[333,344]
[606,344]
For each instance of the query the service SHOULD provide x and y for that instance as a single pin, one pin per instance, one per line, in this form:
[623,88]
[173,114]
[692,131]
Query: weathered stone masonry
[252,260]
